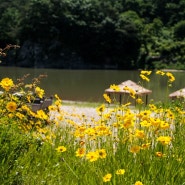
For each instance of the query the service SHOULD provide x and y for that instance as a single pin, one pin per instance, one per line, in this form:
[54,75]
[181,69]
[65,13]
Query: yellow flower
[102,130]
[90,131]
[102,153]
[146,72]
[164,125]
[145,146]
[170,76]
[115,87]
[39,92]
[130,90]
[26,108]
[6,84]
[11,106]
[19,115]
[165,140]
[92,156]
[144,77]
[144,114]
[170,115]
[10,115]
[128,123]
[145,123]
[107,98]
[42,115]
[160,73]
[58,100]
[126,105]
[152,107]
[107,177]
[120,172]
[159,154]
[132,93]
[126,88]
[100,109]
[138,183]
[61,149]
[28,97]
[139,101]
[57,97]
[139,134]
[80,152]
[135,149]
[155,122]
[52,108]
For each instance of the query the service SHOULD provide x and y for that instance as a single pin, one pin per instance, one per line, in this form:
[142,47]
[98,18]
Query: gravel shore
[72,110]
[78,111]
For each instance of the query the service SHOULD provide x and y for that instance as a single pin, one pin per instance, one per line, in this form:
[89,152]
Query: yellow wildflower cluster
[6,84]
[158,72]
[61,149]
[170,76]
[144,75]
[138,183]
[39,92]
[165,140]
[107,98]
[16,104]
[115,87]
[98,154]
[108,176]
[99,141]
[131,91]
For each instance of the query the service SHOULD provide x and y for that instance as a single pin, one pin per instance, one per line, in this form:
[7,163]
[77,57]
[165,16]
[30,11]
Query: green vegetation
[143,146]
[126,34]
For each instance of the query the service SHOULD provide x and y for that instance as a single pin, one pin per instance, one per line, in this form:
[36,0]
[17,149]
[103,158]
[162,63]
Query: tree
[37,21]
[179,30]
[9,25]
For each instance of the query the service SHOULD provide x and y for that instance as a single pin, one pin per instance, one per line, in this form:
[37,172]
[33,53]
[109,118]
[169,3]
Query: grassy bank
[81,103]
[121,146]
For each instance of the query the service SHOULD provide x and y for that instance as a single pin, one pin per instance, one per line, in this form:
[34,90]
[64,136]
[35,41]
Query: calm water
[89,85]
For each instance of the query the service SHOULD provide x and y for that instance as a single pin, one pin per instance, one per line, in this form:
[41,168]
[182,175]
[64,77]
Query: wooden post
[146,99]
[136,99]
[120,98]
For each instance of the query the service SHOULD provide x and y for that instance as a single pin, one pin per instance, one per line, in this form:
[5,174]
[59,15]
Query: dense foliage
[124,33]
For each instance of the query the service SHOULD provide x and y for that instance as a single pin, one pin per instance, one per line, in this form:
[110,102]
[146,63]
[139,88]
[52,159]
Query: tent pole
[120,99]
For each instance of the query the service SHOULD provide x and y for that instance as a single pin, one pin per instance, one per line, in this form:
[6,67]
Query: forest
[116,34]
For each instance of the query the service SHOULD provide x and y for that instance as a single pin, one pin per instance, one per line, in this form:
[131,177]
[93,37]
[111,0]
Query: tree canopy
[123,33]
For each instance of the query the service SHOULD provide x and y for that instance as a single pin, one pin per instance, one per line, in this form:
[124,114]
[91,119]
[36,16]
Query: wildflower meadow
[122,145]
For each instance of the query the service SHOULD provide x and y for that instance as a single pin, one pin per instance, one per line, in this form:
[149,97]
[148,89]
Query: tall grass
[119,146]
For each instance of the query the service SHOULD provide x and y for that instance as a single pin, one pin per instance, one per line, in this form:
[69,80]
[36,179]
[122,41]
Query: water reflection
[89,85]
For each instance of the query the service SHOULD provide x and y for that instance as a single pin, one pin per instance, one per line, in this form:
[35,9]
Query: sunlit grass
[119,145]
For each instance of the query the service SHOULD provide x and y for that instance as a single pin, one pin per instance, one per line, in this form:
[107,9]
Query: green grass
[146,141]
[81,104]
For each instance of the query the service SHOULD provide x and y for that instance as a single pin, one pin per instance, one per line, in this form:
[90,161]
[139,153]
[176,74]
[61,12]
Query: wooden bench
[39,104]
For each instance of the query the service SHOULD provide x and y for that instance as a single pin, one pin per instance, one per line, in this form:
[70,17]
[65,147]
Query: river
[89,85]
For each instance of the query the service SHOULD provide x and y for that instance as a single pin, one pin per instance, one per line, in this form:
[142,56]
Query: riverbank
[76,110]
[172,70]
[85,111]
